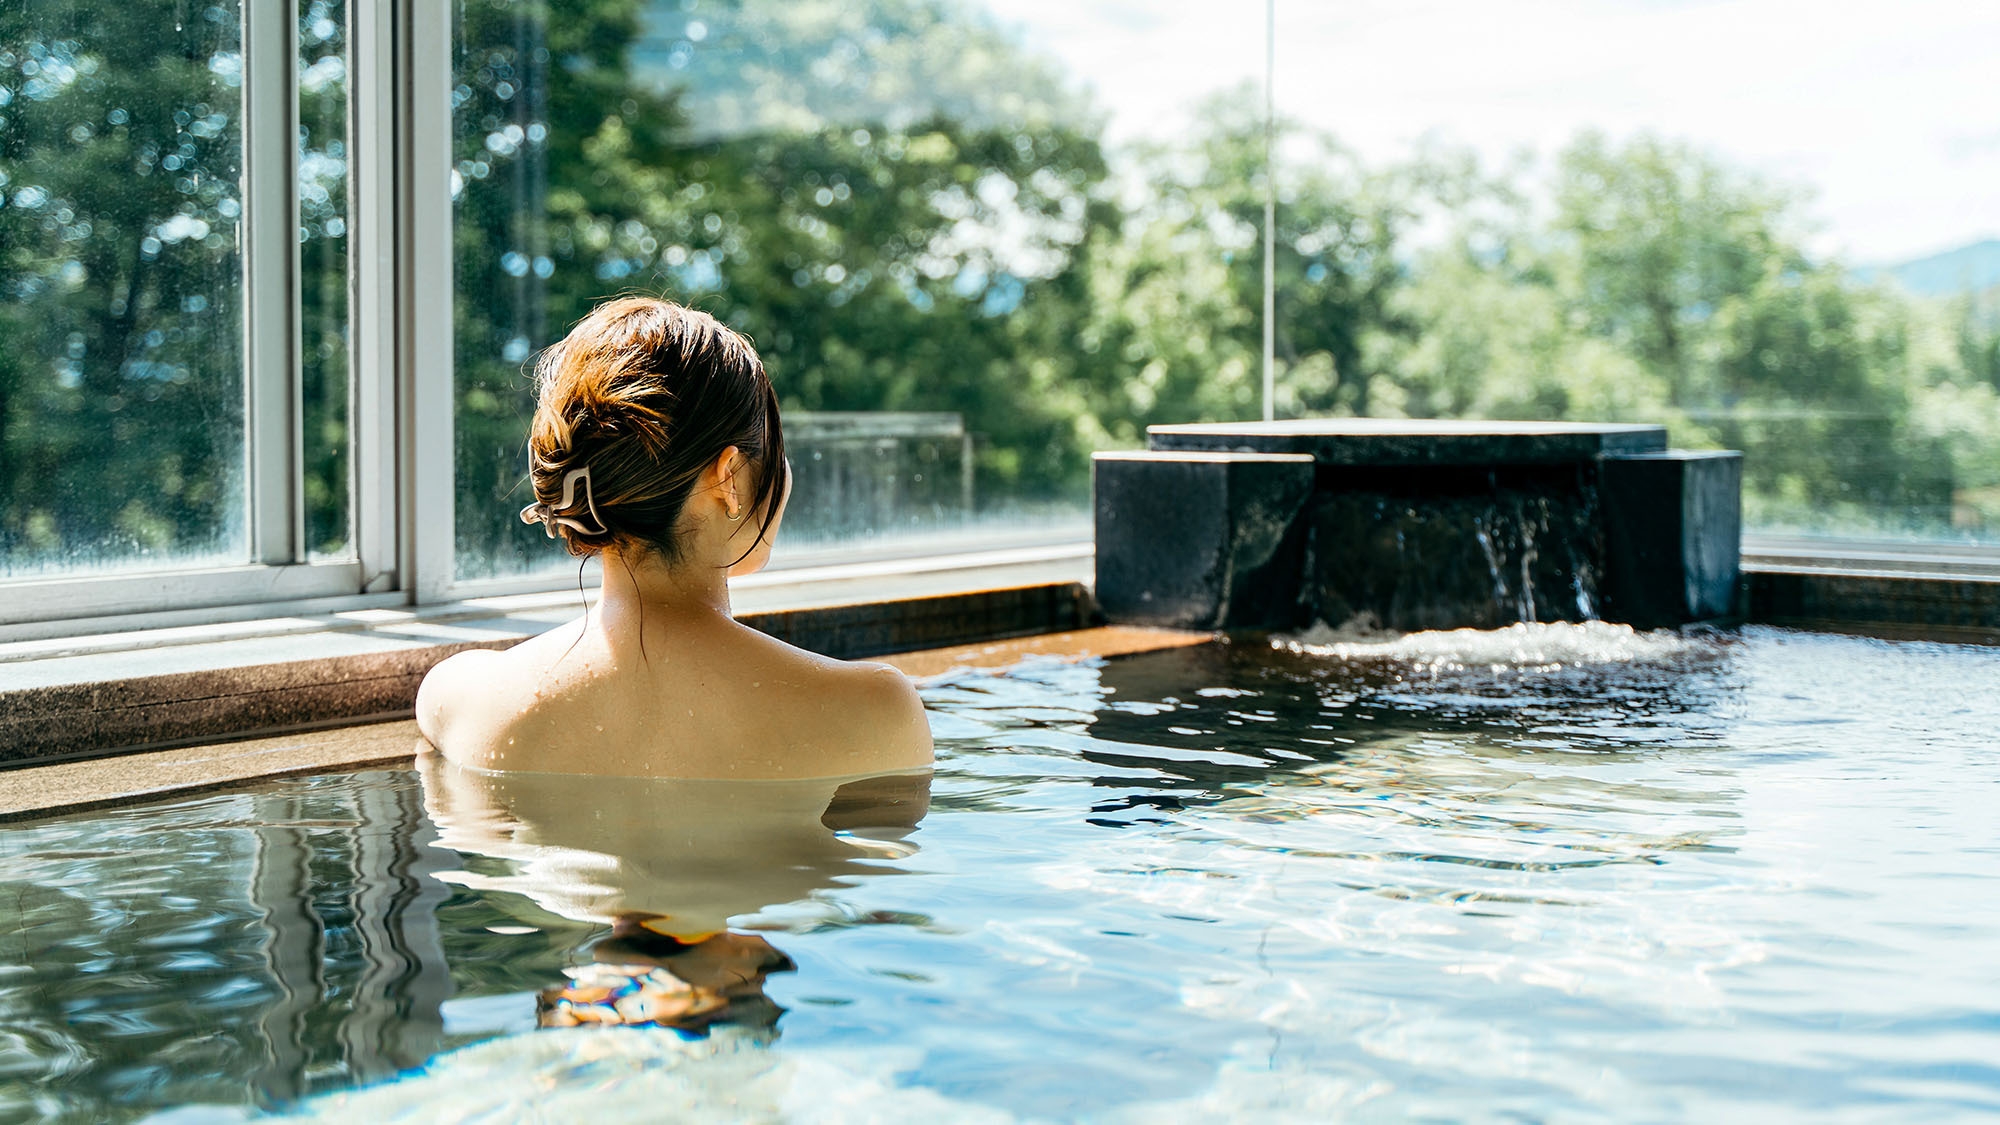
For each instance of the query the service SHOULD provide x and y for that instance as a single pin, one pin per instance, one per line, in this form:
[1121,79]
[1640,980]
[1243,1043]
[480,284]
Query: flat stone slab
[77,786]
[1068,646]
[1426,442]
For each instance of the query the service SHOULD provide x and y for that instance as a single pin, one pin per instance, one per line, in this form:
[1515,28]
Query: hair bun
[644,395]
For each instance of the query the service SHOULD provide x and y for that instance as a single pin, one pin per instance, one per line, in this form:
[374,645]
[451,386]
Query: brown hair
[647,394]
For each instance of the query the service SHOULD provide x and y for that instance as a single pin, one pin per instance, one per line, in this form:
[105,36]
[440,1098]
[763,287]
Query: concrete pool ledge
[367,665]
[1884,601]
[100,782]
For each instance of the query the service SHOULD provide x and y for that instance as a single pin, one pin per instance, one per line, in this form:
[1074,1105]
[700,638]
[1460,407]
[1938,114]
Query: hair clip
[546,516]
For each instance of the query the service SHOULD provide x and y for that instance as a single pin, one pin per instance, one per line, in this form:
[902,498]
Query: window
[175,389]
[272,277]
[122,440]
[896,202]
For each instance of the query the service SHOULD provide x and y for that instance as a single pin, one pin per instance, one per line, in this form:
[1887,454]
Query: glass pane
[950,255]
[501,116]
[323,323]
[1771,234]
[121,378]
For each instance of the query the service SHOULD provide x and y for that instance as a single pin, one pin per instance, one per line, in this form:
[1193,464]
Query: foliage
[1666,286]
[121,390]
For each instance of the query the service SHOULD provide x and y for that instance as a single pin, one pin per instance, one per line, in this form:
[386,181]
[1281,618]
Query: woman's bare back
[706,697]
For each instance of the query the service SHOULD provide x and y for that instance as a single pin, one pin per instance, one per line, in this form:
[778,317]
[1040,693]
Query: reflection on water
[286,938]
[1549,873]
[686,856]
[667,865]
[642,979]
[256,947]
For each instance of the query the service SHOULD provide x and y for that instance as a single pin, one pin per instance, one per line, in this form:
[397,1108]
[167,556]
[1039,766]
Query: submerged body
[681,856]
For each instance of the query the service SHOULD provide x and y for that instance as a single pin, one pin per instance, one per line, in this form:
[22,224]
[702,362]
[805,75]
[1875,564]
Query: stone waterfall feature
[1415,525]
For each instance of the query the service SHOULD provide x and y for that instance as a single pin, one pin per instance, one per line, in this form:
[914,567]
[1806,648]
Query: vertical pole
[425,304]
[373,103]
[1270,209]
[966,497]
[270,282]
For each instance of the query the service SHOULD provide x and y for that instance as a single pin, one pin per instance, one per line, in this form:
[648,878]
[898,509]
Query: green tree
[121,393]
[1177,316]
[1665,285]
[860,255]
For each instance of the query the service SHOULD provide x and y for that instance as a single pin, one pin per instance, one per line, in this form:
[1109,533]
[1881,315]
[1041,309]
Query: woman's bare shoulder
[445,692]
[888,713]
[474,701]
[869,707]
[463,695]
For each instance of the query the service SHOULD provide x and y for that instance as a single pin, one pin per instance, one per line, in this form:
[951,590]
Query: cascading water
[1484,549]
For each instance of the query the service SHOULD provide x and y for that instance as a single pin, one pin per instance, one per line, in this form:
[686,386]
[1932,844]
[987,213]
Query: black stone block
[1417,442]
[1673,533]
[1200,540]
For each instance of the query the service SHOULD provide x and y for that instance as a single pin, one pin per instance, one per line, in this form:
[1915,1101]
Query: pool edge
[142,775]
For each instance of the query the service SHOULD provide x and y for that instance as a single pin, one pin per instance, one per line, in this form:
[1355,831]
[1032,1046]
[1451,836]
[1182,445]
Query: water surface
[1552,873]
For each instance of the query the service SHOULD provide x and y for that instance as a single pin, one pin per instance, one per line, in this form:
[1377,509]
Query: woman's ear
[731,486]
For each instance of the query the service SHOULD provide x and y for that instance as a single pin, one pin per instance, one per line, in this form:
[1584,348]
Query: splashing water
[1526,645]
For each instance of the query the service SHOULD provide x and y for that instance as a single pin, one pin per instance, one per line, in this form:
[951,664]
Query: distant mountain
[1968,268]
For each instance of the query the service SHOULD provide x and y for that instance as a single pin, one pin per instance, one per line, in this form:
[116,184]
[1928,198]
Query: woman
[656,446]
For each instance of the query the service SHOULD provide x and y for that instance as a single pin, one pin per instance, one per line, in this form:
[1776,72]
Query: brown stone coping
[77,786]
[1076,644]
[131,778]
[909,624]
[347,682]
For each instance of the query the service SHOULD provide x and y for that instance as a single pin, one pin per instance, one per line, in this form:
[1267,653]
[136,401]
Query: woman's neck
[638,586]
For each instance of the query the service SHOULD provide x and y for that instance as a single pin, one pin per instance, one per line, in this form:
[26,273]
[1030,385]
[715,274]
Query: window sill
[72,697]
[1870,557]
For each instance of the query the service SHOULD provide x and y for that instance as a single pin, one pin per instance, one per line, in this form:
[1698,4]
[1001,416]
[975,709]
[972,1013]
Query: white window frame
[276,568]
[400,369]
[399,248]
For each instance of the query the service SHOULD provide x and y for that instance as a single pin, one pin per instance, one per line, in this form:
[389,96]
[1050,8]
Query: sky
[1887,115]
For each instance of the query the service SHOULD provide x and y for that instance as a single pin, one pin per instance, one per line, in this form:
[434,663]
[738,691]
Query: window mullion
[271,282]
[374,255]
[424,154]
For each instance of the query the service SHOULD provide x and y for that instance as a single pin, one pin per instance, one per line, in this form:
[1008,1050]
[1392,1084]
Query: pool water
[1548,873]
